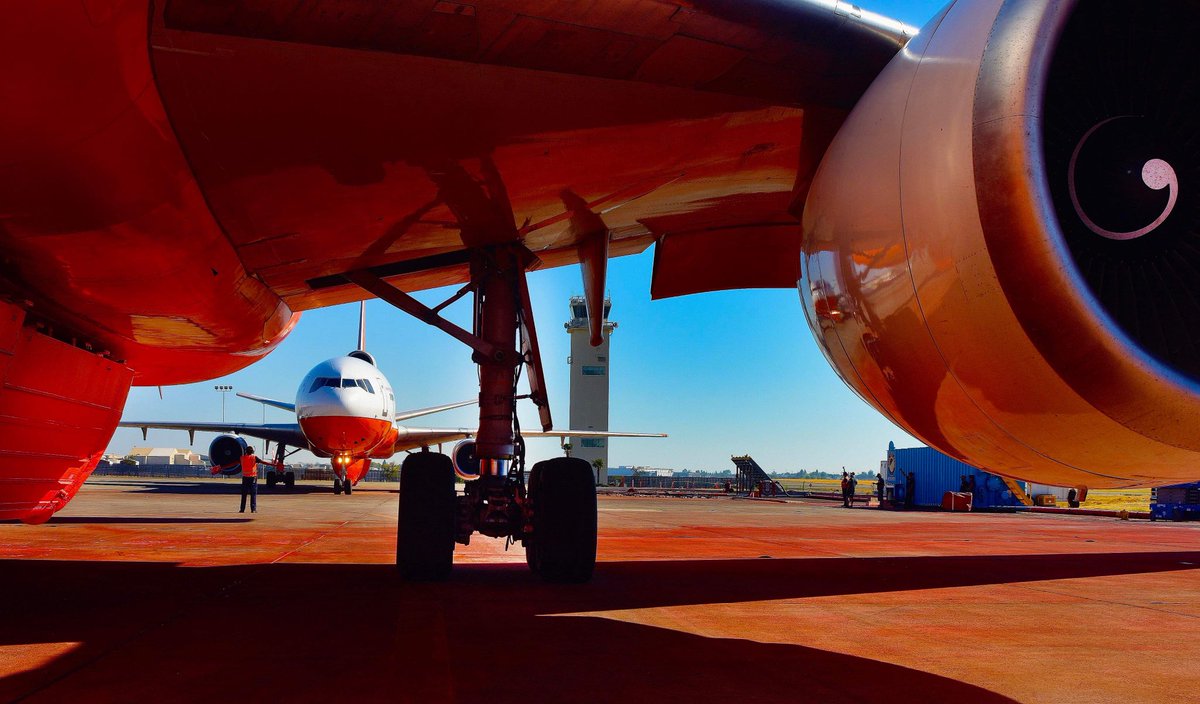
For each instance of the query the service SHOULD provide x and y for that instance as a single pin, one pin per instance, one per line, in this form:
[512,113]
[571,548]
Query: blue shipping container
[1180,502]
[935,474]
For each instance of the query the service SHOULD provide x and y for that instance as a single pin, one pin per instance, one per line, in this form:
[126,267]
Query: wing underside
[695,126]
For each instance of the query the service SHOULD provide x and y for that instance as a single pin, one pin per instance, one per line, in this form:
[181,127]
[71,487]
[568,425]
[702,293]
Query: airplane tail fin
[362,326]
[361,352]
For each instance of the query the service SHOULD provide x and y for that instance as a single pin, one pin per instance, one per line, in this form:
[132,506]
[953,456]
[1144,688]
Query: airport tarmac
[158,590]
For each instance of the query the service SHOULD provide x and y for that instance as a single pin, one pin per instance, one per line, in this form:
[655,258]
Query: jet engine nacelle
[1002,244]
[226,452]
[466,464]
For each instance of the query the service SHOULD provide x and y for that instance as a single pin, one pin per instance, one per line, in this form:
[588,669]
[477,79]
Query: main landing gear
[342,486]
[555,518]
[277,474]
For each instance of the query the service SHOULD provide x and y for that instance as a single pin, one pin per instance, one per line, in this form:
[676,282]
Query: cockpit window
[322,381]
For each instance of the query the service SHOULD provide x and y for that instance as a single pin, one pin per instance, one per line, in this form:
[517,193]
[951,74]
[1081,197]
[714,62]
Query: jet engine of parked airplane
[1002,243]
[466,464]
[226,452]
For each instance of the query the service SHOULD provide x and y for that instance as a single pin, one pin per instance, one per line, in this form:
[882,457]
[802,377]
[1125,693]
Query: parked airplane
[346,410]
[992,221]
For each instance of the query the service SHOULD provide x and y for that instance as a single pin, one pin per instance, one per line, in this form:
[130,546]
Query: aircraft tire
[531,556]
[271,479]
[337,486]
[563,497]
[425,526]
[347,486]
[289,479]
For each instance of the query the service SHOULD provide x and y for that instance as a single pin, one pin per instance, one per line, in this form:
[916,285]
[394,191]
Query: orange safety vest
[249,466]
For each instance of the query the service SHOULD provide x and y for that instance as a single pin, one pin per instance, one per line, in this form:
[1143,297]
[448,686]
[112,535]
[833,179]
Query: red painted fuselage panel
[346,435]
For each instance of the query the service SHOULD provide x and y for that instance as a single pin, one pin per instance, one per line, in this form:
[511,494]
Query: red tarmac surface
[150,591]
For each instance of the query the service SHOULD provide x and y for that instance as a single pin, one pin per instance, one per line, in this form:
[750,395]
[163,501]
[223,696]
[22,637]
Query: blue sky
[723,373]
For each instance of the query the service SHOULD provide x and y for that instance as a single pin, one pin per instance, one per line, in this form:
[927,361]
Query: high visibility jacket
[249,466]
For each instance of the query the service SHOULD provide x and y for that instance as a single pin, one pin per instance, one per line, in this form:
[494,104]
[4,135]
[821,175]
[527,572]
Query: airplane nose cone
[345,434]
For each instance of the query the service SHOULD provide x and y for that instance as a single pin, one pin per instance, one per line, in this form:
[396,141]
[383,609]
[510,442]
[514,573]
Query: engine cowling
[226,452]
[466,464]
[1002,244]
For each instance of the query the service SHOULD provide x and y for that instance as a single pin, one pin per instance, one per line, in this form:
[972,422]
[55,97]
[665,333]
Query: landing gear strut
[556,519]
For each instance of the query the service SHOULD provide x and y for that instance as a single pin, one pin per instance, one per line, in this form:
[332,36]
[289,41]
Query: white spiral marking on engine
[1156,174]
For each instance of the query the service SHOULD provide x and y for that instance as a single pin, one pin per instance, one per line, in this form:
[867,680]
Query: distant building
[166,455]
[589,386]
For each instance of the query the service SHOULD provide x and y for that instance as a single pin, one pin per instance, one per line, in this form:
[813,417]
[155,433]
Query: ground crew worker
[910,489]
[879,487]
[249,480]
[248,466]
[853,489]
[845,490]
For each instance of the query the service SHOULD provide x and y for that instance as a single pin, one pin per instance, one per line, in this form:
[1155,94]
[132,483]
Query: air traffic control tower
[589,386]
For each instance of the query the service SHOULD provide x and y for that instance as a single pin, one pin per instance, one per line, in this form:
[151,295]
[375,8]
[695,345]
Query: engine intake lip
[1032,254]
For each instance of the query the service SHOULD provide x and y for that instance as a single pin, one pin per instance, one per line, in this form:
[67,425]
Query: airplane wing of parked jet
[411,438]
[291,433]
[405,415]
[285,405]
[400,415]
[283,433]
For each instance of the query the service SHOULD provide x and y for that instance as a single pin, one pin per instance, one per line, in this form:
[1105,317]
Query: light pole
[223,389]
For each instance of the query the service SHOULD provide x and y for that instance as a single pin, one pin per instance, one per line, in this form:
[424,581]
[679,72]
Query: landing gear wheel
[425,529]
[337,486]
[289,480]
[347,486]
[563,496]
[531,554]
[271,479]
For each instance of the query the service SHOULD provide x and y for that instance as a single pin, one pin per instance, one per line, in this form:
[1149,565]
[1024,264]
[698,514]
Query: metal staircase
[750,477]
[1015,487]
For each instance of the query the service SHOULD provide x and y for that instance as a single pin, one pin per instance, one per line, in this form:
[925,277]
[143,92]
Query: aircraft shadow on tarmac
[149,631]
[149,520]
[199,488]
